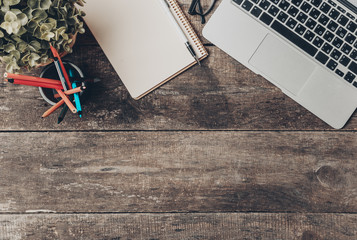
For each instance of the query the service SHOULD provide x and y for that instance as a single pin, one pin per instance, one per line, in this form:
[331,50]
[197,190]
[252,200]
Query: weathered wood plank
[220,95]
[179,226]
[178,172]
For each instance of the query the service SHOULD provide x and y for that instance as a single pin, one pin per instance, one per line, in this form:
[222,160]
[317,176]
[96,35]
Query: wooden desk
[217,153]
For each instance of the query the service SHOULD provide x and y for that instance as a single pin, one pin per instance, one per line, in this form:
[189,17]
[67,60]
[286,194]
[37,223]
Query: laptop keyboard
[322,29]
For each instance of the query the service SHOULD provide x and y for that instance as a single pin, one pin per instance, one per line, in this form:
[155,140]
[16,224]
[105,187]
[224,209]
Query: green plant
[28,27]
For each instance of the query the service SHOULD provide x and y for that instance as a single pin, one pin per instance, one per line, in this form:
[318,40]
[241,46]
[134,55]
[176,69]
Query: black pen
[180,31]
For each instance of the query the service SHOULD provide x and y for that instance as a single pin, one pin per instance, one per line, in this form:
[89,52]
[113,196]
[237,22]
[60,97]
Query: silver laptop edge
[268,54]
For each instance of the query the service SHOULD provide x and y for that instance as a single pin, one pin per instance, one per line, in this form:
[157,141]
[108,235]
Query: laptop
[307,48]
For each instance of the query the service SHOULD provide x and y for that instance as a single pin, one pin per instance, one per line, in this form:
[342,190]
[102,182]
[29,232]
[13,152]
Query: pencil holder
[50,72]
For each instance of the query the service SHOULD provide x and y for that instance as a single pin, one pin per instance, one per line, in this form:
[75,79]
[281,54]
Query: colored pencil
[60,74]
[77,101]
[56,55]
[72,91]
[34,84]
[67,101]
[62,114]
[53,108]
[30,78]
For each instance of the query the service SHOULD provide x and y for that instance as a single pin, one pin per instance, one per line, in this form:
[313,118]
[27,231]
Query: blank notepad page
[139,40]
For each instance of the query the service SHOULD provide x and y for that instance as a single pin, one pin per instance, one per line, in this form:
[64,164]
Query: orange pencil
[34,84]
[67,101]
[56,55]
[72,91]
[53,108]
[30,78]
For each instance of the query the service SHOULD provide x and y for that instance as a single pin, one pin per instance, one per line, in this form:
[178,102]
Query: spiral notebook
[141,42]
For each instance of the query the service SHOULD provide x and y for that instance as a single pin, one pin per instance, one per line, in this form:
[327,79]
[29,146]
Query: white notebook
[141,42]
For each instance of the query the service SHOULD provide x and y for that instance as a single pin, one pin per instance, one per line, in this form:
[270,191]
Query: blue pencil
[77,101]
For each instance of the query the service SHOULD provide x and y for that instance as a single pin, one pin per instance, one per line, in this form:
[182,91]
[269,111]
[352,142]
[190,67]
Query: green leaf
[47,36]
[9,47]
[7,27]
[10,2]
[36,45]
[22,17]
[45,4]
[10,17]
[39,14]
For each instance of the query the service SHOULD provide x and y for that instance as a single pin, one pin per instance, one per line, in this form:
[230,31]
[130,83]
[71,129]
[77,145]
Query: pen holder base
[50,72]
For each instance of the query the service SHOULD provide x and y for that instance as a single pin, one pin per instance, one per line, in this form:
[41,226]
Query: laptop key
[238,1]
[346,49]
[341,9]
[328,36]
[284,4]
[314,13]
[275,1]
[332,3]
[351,26]
[309,35]
[273,10]
[319,30]
[335,54]
[305,7]
[327,48]
[350,38]
[341,32]
[342,20]
[264,4]
[318,42]
[345,60]
[323,19]
[332,26]
[325,7]
[291,23]
[337,42]
[353,67]
[339,72]
[294,38]
[301,17]
[322,58]
[334,14]
[296,2]
[349,77]
[355,84]
[316,3]
[310,23]
[332,65]
[265,18]
[354,55]
[300,29]
[256,11]
[247,5]
[293,11]
[282,16]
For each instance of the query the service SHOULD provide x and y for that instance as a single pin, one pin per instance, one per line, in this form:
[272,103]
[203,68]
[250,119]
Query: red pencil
[30,78]
[56,55]
[34,84]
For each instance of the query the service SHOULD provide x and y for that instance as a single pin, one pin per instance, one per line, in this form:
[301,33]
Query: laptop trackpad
[282,64]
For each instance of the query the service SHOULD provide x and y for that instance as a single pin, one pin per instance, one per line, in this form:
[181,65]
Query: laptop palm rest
[282,64]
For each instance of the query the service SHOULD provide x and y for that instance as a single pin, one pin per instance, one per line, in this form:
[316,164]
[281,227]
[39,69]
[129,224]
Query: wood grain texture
[178,172]
[179,226]
[222,94]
